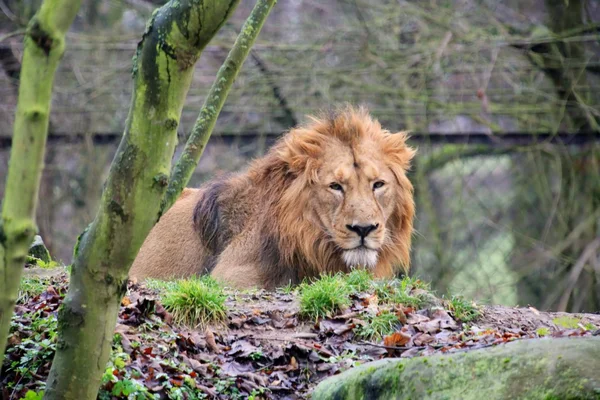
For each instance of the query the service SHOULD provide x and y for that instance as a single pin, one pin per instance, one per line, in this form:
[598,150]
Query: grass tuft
[159,286]
[380,325]
[359,280]
[288,289]
[463,310]
[195,301]
[31,287]
[324,297]
[399,291]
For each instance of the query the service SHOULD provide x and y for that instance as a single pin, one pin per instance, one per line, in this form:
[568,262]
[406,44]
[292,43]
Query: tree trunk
[526,369]
[162,73]
[44,46]
[213,104]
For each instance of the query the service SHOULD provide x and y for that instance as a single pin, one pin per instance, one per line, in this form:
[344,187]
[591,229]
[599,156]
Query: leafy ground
[267,344]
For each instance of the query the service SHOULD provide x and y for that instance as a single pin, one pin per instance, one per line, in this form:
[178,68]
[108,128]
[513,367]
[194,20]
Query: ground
[268,345]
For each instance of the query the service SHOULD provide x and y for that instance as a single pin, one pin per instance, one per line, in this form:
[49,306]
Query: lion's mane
[273,195]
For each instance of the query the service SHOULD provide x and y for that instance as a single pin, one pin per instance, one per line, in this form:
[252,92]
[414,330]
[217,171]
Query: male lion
[328,196]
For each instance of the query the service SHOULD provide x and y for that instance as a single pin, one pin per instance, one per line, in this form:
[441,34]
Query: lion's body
[281,221]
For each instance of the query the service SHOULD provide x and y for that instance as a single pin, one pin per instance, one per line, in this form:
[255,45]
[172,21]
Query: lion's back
[173,249]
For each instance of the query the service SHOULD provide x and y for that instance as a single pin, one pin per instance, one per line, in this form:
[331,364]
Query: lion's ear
[397,151]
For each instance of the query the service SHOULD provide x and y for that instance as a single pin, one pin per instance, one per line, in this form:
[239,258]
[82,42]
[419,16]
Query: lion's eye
[378,184]
[336,186]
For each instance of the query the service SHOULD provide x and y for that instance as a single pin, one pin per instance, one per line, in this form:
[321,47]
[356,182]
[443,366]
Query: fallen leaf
[410,353]
[429,326]
[242,348]
[414,319]
[125,301]
[235,368]
[396,339]
[293,364]
[423,338]
[330,325]
[210,341]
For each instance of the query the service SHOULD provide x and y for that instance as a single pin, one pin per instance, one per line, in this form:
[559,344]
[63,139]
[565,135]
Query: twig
[12,34]
[7,11]
[403,348]
[588,253]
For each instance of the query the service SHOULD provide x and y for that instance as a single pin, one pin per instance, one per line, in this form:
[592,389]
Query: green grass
[359,280]
[399,291]
[329,294]
[463,310]
[160,286]
[195,301]
[324,297]
[409,283]
[31,287]
[288,289]
[378,326]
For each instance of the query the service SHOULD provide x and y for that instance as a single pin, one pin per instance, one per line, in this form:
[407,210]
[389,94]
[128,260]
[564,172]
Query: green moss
[543,331]
[589,326]
[532,369]
[567,322]
[78,242]
[161,180]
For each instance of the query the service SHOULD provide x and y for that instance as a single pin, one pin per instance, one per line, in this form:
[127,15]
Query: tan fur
[284,219]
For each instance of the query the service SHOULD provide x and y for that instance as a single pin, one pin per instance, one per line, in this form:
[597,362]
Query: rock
[39,250]
[532,369]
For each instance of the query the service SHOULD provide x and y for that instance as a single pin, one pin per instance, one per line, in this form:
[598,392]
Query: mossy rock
[38,250]
[527,369]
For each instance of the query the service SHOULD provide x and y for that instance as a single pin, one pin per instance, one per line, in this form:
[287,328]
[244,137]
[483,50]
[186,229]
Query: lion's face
[345,193]
[353,199]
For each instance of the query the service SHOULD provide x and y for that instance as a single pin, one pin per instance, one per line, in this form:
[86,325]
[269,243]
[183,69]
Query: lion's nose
[362,230]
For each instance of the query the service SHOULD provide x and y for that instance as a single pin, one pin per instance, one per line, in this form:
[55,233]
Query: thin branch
[214,102]
[588,253]
[18,32]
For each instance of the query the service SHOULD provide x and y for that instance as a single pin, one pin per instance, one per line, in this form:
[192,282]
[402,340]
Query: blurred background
[502,98]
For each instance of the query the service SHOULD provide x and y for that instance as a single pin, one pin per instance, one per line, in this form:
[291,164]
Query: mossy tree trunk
[43,48]
[526,369]
[183,170]
[138,178]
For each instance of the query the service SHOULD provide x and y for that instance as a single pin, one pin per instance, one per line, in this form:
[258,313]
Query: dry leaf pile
[263,350]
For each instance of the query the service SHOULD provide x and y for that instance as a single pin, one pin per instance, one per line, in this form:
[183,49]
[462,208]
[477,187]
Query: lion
[329,196]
